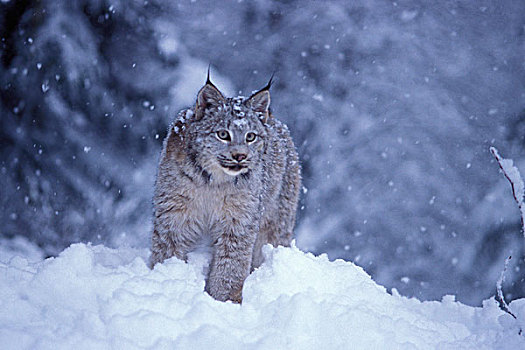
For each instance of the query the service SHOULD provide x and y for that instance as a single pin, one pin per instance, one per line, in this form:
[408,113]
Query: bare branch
[512,174]
[500,298]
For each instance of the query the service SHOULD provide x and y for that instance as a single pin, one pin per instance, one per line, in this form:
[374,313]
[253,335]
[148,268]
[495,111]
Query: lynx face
[228,134]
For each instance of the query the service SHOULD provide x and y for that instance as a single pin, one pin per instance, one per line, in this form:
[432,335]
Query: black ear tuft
[269,85]
[208,81]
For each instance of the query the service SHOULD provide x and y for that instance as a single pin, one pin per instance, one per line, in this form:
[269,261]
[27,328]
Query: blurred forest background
[392,105]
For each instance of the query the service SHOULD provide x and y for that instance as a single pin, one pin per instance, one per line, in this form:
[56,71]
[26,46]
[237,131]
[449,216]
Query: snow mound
[19,246]
[93,297]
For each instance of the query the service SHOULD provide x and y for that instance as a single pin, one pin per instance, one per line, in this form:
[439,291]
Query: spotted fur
[226,189]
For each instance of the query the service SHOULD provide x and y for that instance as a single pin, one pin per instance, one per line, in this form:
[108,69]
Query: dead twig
[516,182]
[500,298]
[518,192]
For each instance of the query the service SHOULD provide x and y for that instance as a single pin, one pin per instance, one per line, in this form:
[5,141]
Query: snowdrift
[93,297]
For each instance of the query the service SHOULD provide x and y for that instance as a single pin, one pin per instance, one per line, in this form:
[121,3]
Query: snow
[240,122]
[19,246]
[94,297]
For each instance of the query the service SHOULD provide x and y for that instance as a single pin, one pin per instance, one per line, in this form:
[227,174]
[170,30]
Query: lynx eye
[250,136]
[223,135]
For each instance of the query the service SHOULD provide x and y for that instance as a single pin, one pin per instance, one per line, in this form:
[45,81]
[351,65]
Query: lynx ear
[260,101]
[208,95]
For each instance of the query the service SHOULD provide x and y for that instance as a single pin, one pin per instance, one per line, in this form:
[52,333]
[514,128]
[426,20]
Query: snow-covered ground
[93,297]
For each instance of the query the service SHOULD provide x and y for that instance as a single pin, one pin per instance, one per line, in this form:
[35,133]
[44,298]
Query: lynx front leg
[230,266]
[162,248]
[172,236]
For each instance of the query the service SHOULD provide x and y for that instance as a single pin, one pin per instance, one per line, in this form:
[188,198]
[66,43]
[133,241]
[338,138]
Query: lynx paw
[222,294]
[236,297]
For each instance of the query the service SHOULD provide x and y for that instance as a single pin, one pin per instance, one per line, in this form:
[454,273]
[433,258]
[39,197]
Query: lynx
[228,175]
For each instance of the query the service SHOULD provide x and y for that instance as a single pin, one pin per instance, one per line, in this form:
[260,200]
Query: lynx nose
[239,156]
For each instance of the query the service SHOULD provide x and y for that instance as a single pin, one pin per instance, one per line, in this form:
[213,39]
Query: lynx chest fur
[228,175]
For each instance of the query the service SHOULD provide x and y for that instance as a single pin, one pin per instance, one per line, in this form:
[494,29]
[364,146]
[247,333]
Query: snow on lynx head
[227,135]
